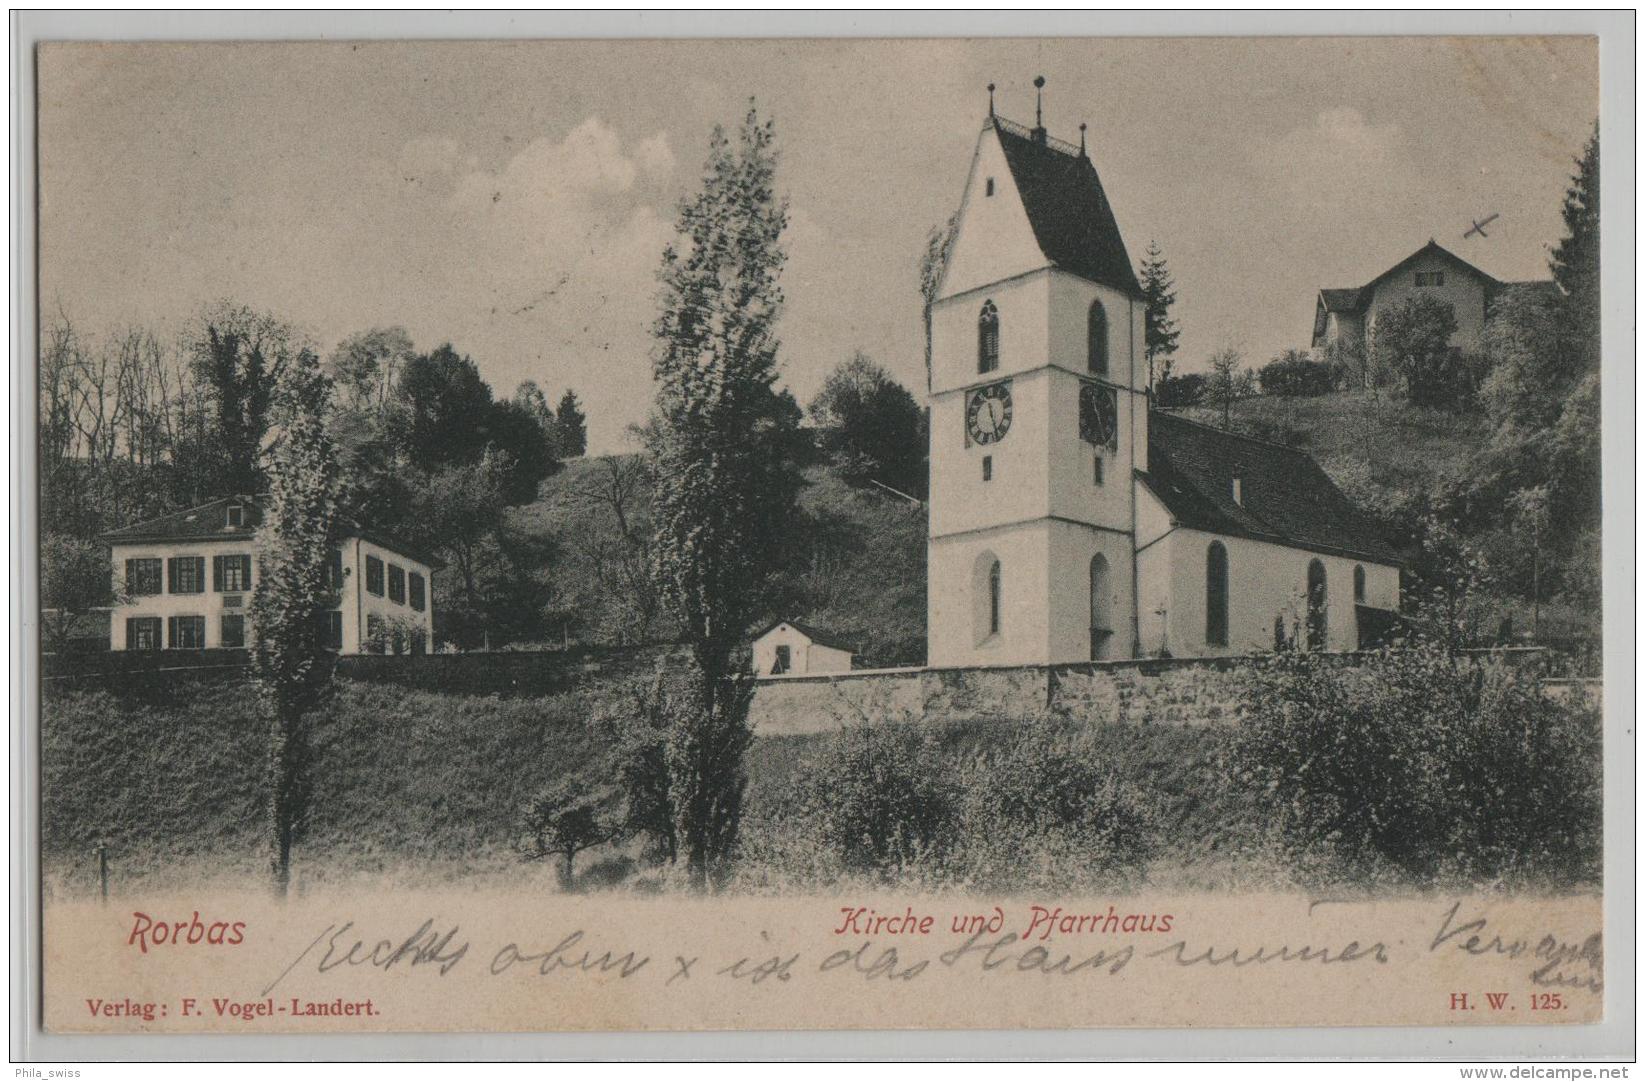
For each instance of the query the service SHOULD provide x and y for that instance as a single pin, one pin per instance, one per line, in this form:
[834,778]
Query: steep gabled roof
[1285,498]
[1356,300]
[1067,208]
[209,522]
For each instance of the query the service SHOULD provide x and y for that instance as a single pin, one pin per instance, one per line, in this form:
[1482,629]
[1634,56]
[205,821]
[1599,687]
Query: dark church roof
[1285,498]
[1071,217]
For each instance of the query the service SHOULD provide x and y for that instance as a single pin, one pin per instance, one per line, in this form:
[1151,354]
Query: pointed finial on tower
[990,99]
[1082,138]
[1039,91]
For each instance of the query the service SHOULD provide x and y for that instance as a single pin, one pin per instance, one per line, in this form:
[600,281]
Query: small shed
[790,648]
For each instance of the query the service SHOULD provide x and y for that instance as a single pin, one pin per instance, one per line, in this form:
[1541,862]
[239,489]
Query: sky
[514,199]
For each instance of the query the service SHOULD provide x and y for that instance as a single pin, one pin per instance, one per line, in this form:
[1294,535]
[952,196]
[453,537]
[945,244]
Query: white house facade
[184,581]
[1069,521]
[1347,318]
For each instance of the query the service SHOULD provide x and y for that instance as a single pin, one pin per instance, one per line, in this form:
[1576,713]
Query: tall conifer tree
[1159,293]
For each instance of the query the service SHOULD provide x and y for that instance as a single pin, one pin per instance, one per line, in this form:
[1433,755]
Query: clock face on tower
[988,413]
[1099,415]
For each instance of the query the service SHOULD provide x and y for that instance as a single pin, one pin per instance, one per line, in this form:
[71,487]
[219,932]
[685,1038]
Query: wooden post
[103,870]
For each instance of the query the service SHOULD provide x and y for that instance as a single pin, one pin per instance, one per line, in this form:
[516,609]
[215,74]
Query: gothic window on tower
[988,338]
[1096,470]
[1359,583]
[987,467]
[1096,339]
[1216,594]
[985,598]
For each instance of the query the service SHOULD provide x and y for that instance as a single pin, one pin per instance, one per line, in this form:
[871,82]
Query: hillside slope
[854,565]
[1379,450]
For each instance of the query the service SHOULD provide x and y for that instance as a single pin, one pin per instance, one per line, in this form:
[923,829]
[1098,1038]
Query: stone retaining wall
[1175,691]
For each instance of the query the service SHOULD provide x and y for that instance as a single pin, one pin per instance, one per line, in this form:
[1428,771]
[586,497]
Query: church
[1070,519]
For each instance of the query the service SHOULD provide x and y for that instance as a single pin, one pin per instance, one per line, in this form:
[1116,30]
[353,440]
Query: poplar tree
[290,662]
[1159,293]
[725,485]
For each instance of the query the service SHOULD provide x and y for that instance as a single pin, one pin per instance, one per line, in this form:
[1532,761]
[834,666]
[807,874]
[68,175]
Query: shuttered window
[418,598]
[143,632]
[231,574]
[374,576]
[233,630]
[397,584]
[187,574]
[143,576]
[186,632]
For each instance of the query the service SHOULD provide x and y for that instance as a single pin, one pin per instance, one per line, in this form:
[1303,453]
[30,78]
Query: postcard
[624,535]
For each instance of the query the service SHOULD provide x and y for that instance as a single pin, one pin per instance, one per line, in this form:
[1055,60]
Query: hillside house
[1346,318]
[184,582]
[790,648]
[1070,519]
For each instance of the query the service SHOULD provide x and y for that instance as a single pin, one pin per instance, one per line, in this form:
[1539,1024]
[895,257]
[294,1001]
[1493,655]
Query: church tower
[1039,414]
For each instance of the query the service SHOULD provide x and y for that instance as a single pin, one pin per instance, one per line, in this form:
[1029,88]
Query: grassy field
[425,788]
[405,780]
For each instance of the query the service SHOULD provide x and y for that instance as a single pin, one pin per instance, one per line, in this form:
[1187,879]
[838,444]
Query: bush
[1421,767]
[1295,376]
[1178,391]
[878,798]
[1044,811]
[1041,809]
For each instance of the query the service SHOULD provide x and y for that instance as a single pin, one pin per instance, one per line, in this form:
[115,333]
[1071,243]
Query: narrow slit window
[987,467]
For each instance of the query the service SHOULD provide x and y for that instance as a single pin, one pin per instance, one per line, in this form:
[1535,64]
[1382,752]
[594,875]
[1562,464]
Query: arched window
[987,598]
[1100,631]
[1216,594]
[1316,605]
[1359,583]
[988,338]
[994,599]
[1096,339]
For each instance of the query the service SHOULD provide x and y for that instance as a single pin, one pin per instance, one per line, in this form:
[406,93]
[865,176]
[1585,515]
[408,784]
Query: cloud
[656,157]
[1330,160]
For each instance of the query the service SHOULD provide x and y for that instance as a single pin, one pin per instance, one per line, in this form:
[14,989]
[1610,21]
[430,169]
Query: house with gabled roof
[790,648]
[1070,520]
[184,581]
[1346,318]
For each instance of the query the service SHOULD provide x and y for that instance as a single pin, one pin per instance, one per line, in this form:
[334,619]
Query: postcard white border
[1613,1039]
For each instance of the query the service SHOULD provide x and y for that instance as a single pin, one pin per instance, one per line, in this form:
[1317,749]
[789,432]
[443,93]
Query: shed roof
[821,638]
